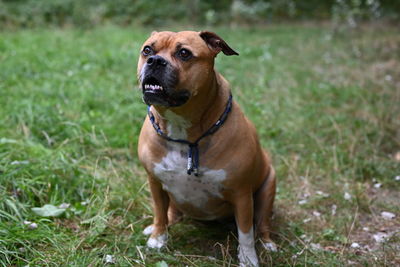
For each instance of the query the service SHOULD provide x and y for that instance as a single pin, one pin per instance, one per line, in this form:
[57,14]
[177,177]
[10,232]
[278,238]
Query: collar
[193,147]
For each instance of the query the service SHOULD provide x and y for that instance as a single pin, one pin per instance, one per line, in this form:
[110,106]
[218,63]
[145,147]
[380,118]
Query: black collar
[193,153]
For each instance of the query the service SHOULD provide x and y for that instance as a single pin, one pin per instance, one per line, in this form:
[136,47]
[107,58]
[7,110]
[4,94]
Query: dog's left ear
[217,44]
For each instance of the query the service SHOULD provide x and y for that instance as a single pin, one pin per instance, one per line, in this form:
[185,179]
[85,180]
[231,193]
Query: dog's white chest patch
[196,190]
[172,170]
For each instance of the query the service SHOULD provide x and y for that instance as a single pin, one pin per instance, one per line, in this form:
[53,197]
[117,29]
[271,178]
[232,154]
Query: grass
[325,105]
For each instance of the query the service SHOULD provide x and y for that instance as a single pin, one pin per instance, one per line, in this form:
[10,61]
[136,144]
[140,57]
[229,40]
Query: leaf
[48,211]
[161,264]
[7,141]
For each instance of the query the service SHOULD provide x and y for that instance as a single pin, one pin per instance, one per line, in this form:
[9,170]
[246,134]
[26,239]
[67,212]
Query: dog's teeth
[153,87]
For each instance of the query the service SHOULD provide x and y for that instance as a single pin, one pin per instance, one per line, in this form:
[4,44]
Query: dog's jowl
[202,155]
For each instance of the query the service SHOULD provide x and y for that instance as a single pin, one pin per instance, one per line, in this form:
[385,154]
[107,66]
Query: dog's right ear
[217,44]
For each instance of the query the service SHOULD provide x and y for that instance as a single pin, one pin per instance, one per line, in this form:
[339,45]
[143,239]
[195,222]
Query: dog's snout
[156,61]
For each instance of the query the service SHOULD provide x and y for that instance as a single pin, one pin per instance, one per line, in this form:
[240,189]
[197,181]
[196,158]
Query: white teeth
[153,87]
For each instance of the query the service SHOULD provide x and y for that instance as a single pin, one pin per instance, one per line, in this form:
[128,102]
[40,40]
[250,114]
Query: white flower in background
[64,206]
[323,194]
[378,185]
[303,201]
[316,213]
[380,237]
[31,225]
[109,259]
[388,215]
[333,212]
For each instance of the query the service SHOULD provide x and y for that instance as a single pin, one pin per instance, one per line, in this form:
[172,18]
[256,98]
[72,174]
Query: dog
[202,155]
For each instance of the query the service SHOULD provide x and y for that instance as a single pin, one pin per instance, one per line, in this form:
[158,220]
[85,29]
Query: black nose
[156,61]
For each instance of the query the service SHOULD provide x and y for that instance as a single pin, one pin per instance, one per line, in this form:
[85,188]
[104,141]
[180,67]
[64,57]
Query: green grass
[326,107]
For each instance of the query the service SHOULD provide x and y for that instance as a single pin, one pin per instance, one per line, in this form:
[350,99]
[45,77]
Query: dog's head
[174,66]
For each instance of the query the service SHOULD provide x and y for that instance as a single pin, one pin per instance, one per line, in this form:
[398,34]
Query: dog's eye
[147,50]
[185,54]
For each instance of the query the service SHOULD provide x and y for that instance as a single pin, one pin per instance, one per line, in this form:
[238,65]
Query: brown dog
[202,155]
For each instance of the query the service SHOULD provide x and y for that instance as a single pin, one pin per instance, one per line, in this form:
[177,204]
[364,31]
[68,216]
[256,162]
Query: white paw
[157,242]
[270,246]
[247,252]
[247,257]
[148,230]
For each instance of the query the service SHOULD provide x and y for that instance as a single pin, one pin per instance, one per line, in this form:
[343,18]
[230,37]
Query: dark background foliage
[86,13]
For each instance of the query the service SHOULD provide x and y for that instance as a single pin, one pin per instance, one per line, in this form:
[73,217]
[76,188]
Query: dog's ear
[153,32]
[217,44]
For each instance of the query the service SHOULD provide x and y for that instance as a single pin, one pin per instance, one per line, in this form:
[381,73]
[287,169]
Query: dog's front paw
[247,257]
[157,242]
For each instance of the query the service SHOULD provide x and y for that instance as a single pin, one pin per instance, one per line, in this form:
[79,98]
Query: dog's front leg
[244,220]
[158,229]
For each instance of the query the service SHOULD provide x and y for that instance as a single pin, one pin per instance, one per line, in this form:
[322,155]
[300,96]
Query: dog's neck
[192,119]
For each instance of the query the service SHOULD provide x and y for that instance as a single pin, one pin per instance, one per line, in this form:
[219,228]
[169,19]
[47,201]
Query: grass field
[327,107]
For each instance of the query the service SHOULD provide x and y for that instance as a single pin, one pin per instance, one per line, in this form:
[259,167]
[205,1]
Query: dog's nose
[156,61]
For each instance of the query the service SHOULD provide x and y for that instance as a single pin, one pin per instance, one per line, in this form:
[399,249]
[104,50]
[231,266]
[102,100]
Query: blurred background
[87,13]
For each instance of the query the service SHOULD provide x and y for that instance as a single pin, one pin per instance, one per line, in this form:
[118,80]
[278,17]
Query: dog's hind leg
[174,215]
[263,204]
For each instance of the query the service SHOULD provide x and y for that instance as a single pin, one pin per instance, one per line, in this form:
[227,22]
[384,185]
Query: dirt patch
[378,234]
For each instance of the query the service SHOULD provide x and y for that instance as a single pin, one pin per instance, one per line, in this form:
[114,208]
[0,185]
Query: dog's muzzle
[159,80]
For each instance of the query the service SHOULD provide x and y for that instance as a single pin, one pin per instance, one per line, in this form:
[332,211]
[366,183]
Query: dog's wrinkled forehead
[172,41]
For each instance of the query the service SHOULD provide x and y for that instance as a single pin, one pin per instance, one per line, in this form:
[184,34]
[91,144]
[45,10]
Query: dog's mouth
[157,93]
[154,93]
[153,86]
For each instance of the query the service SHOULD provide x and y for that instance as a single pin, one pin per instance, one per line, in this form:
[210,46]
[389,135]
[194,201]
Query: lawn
[326,105]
